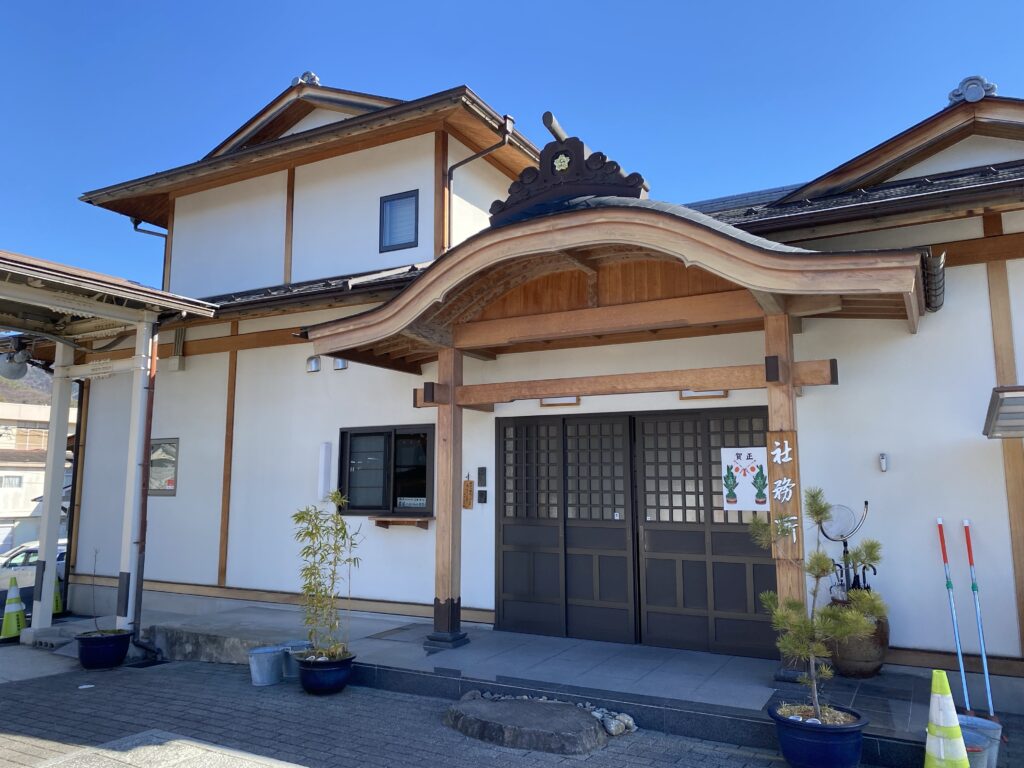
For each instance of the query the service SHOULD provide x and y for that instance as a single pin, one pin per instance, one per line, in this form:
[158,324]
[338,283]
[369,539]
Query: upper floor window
[399,221]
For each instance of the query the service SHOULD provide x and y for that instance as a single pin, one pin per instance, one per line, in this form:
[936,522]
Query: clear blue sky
[703,99]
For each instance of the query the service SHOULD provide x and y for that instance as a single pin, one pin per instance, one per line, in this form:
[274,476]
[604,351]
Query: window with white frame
[399,221]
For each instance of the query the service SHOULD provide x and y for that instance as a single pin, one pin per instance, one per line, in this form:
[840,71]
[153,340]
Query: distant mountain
[34,389]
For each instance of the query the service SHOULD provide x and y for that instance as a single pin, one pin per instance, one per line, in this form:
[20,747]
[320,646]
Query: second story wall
[337,209]
[234,238]
[229,238]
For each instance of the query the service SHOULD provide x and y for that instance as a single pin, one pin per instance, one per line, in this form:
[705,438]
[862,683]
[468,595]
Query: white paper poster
[745,479]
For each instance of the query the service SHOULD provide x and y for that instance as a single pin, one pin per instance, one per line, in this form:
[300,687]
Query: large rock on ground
[528,724]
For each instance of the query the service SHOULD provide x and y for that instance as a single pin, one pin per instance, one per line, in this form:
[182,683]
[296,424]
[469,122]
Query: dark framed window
[399,221]
[388,470]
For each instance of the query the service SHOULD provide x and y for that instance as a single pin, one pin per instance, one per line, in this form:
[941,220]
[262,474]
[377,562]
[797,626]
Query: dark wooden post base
[447,626]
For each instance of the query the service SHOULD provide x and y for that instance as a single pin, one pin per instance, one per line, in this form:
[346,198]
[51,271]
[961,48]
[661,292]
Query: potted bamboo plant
[815,734]
[101,648]
[328,546]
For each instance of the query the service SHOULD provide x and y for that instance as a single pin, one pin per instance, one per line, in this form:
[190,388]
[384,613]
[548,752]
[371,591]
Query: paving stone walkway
[54,721]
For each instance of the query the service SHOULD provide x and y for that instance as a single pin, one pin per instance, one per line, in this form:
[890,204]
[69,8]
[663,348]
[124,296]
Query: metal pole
[952,613]
[133,492]
[977,612]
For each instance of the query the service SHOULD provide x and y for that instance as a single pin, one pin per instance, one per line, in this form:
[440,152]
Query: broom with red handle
[952,613]
[977,612]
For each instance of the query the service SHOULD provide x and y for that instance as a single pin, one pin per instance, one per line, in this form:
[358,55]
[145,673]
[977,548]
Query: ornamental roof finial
[973,88]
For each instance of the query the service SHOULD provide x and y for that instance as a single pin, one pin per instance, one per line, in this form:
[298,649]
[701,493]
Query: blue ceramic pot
[323,677]
[103,650]
[810,745]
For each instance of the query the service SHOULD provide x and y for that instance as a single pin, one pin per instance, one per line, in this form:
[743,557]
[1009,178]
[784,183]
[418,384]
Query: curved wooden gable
[664,268]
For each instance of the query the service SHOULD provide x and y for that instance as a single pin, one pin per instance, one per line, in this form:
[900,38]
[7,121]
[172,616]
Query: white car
[20,562]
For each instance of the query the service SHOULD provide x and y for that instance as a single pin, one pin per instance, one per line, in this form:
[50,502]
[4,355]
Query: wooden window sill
[386,521]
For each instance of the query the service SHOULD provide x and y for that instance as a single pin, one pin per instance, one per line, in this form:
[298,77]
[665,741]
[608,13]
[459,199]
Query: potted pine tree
[328,544]
[815,734]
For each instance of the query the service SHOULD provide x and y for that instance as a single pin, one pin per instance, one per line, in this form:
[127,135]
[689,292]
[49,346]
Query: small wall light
[883,462]
[340,364]
[313,364]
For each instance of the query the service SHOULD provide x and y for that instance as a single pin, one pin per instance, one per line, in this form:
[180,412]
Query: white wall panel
[183,540]
[972,152]
[105,467]
[337,209]
[476,186]
[230,238]
[318,117]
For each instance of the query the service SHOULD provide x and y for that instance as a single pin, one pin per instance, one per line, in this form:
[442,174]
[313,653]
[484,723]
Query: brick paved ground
[48,717]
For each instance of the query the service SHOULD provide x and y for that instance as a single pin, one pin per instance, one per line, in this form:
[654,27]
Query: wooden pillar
[1013,448]
[448,526]
[783,467]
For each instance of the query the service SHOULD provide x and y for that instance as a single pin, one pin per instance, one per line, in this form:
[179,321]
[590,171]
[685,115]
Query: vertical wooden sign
[784,495]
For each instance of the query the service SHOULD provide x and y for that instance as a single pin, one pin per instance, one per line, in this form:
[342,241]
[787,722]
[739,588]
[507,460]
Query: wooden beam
[771,303]
[448,531]
[166,282]
[442,201]
[229,447]
[803,306]
[289,224]
[913,310]
[1012,448]
[788,554]
[982,250]
[810,373]
[706,309]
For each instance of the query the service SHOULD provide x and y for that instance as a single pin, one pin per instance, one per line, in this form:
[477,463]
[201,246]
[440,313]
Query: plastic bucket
[981,737]
[291,667]
[266,665]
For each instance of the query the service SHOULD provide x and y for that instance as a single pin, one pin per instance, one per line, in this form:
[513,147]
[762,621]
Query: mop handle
[952,613]
[977,611]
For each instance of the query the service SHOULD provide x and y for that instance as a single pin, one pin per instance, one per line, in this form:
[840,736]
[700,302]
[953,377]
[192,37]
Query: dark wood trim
[168,246]
[276,596]
[442,202]
[982,250]
[76,512]
[913,657]
[289,224]
[229,442]
[387,522]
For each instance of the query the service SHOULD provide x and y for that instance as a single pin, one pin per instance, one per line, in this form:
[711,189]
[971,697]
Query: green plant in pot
[760,483]
[815,734]
[101,648]
[862,657]
[328,547]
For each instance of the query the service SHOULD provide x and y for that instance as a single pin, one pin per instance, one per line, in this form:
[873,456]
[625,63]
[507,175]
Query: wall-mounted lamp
[340,364]
[704,394]
[313,364]
[883,462]
[548,402]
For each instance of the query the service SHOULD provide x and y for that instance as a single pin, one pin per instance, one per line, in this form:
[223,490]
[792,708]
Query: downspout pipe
[139,575]
[141,231]
[506,135]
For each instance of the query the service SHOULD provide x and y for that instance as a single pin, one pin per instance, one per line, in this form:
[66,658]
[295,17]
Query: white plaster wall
[476,186]
[105,470]
[921,400]
[337,209]
[230,238]
[190,405]
[1015,273]
[901,237]
[969,153]
[317,118]
[283,414]
[1013,221]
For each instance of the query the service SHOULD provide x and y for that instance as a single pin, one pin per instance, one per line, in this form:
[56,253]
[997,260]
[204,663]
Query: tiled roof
[753,208]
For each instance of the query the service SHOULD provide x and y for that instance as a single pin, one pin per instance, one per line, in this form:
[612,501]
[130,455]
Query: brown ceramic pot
[862,657]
